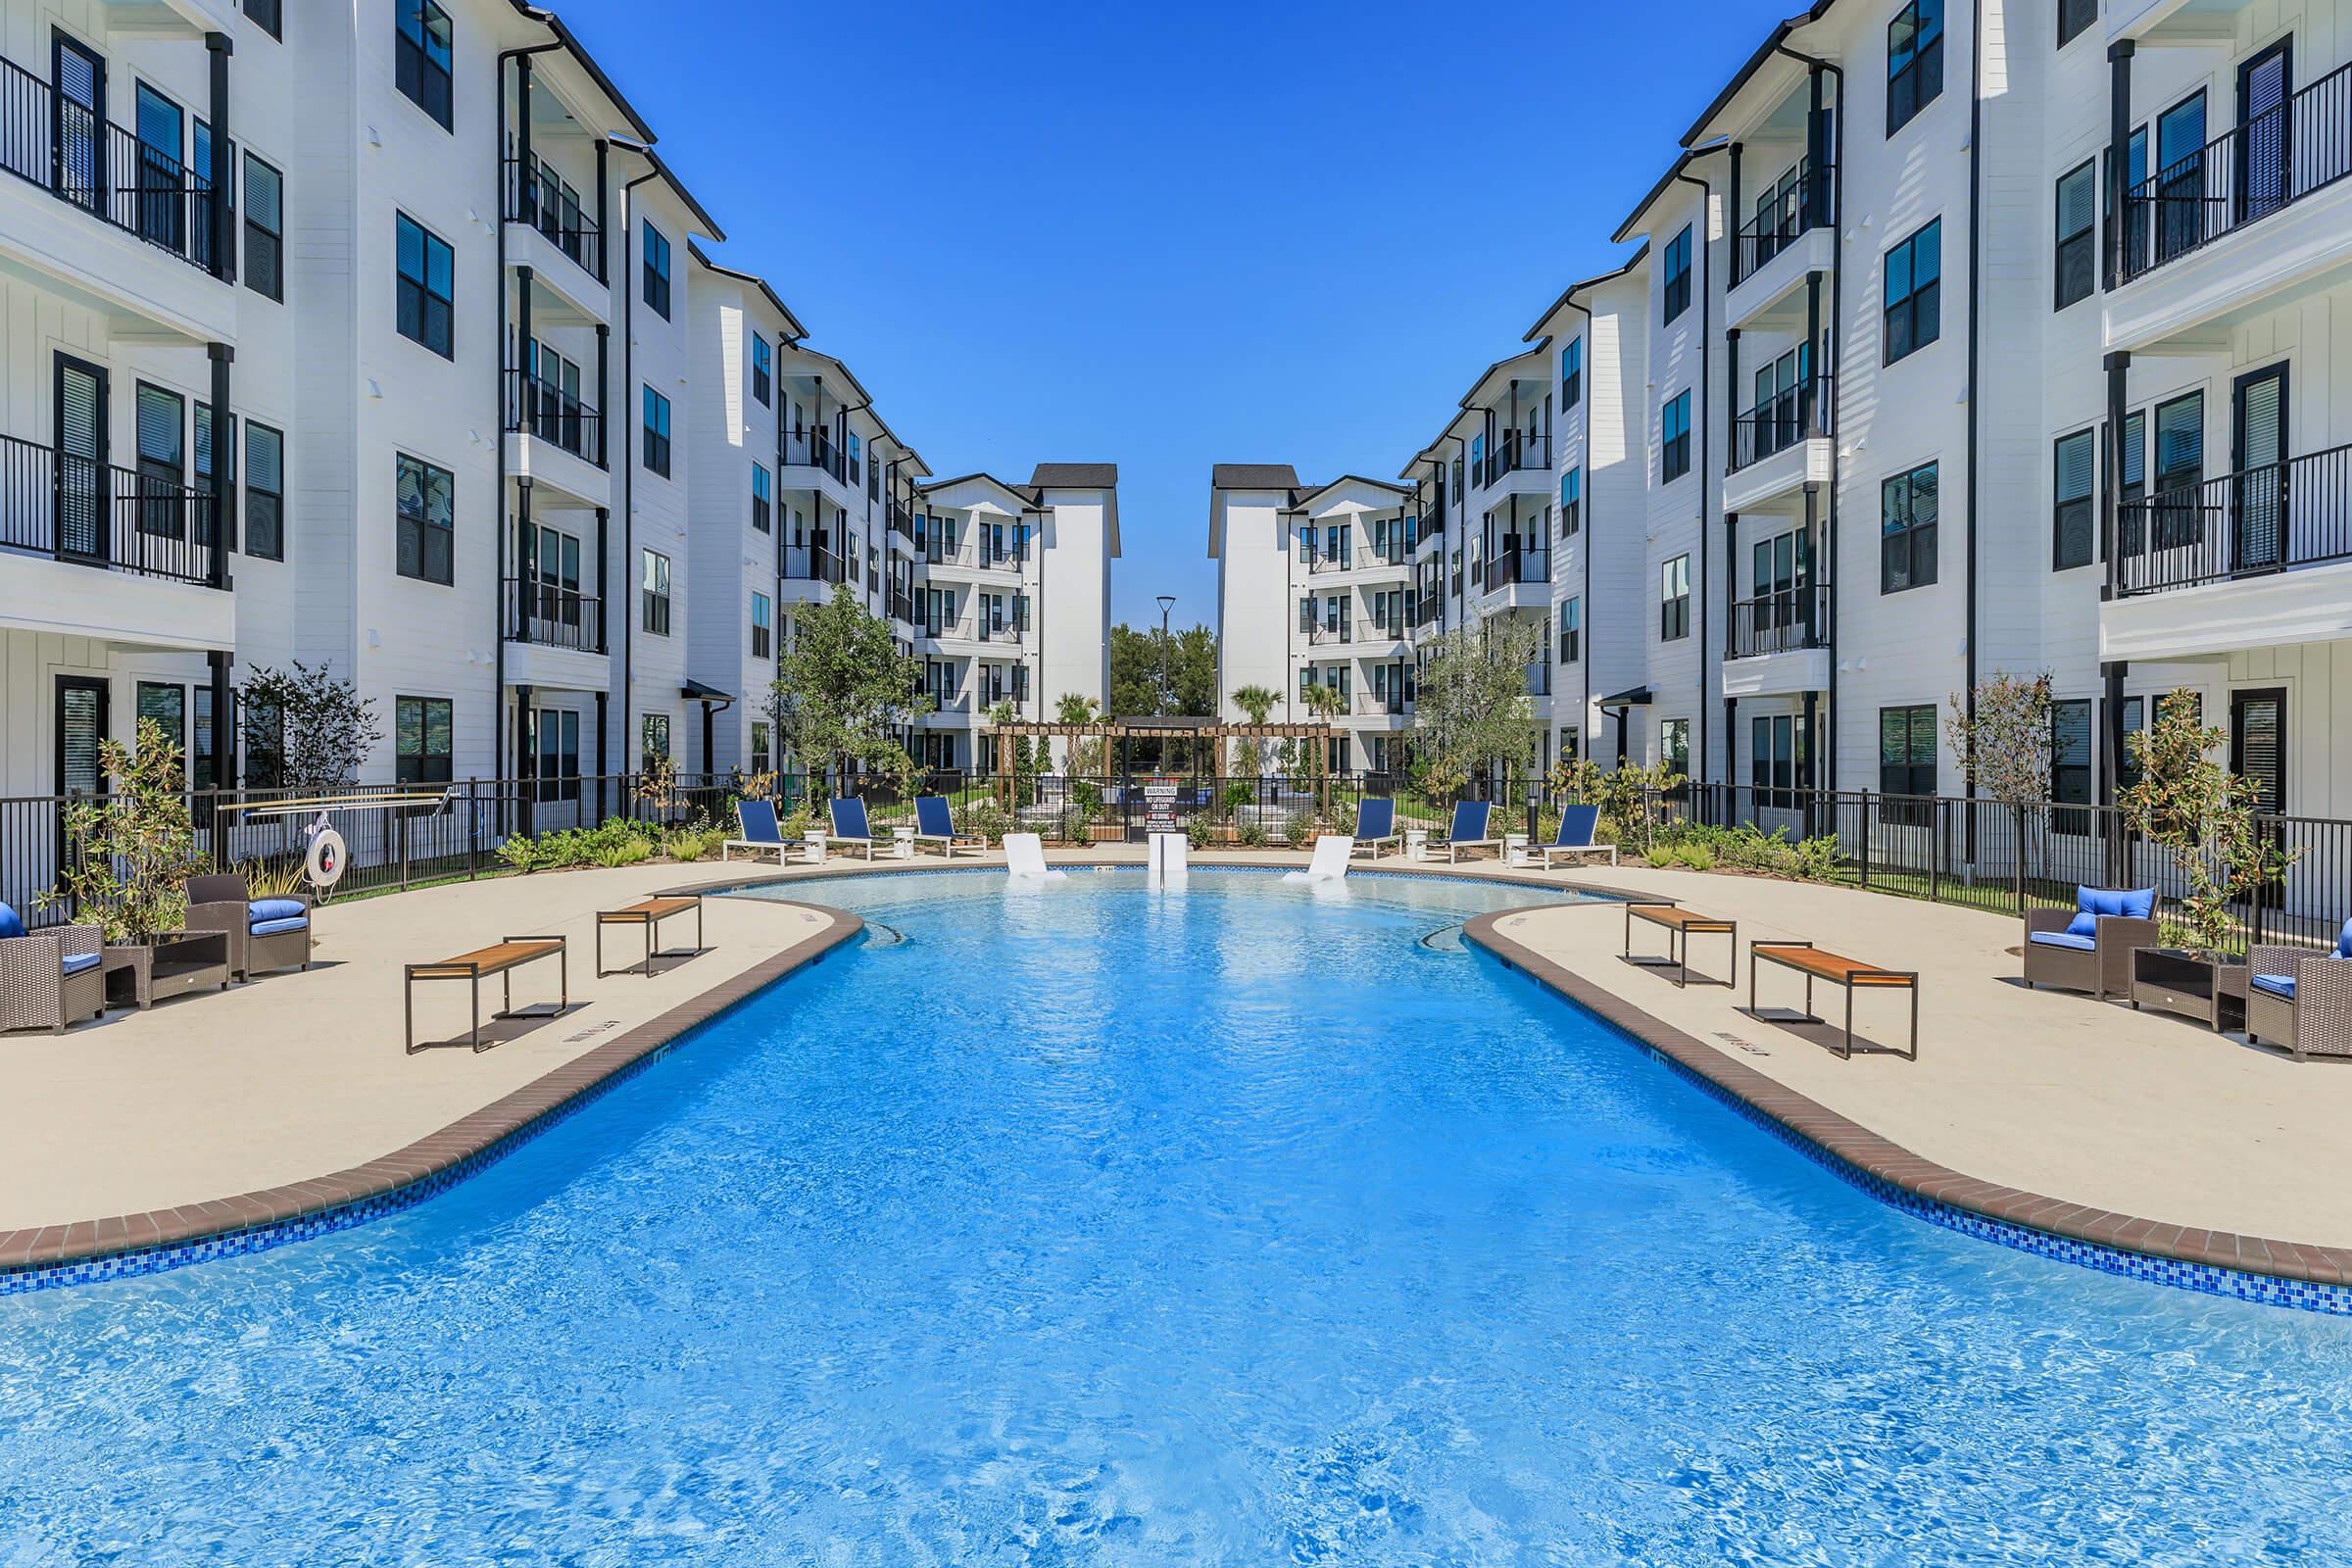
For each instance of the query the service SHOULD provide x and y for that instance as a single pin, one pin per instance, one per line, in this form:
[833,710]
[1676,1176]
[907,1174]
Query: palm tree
[1256,702]
[1326,703]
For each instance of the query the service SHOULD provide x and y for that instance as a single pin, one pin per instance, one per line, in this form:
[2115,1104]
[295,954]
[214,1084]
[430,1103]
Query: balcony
[1773,253]
[1779,643]
[149,538]
[1780,445]
[556,441]
[1517,578]
[555,218]
[1380,705]
[1515,452]
[2179,260]
[902,605]
[1319,635]
[813,452]
[901,521]
[549,615]
[969,558]
[1539,679]
[971,629]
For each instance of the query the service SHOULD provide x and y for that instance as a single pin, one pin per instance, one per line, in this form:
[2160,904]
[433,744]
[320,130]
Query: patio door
[2265,132]
[2259,459]
[79,502]
[77,137]
[81,721]
[2258,752]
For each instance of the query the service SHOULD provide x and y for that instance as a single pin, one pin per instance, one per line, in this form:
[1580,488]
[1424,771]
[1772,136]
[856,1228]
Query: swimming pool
[1088,1225]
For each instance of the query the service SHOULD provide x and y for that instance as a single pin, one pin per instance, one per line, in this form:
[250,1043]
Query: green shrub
[1697,857]
[985,819]
[1299,831]
[1659,856]
[623,851]
[1197,831]
[1251,835]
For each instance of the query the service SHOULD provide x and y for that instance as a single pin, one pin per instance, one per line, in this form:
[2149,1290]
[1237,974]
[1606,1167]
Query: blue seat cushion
[280,925]
[77,962]
[2277,985]
[12,925]
[2091,903]
[260,910]
[2066,939]
[2343,939]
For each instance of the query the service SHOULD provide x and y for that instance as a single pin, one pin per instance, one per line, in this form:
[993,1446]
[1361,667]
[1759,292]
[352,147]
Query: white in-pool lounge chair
[761,835]
[1330,862]
[1025,859]
[1575,837]
[849,826]
[935,823]
[1375,825]
[1469,830]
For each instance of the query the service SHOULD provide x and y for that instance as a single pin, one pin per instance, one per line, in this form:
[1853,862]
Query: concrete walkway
[294,1075]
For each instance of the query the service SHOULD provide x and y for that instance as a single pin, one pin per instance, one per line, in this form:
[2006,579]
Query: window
[1772,768]
[2180,471]
[424,497]
[163,216]
[421,56]
[203,465]
[2127,759]
[1674,599]
[1674,746]
[657,593]
[1675,291]
[265,491]
[1914,292]
[1673,438]
[269,16]
[556,738]
[762,507]
[1907,759]
[265,228]
[653,735]
[1907,530]
[2072,535]
[162,438]
[2070,764]
[657,432]
[1572,374]
[2130,521]
[761,625]
[656,271]
[760,370]
[2073,17]
[420,738]
[2076,263]
[1914,61]
[168,707]
[1572,502]
[760,751]
[1572,630]
[264,732]
[426,271]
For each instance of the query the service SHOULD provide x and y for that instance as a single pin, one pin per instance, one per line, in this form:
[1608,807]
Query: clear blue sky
[1168,236]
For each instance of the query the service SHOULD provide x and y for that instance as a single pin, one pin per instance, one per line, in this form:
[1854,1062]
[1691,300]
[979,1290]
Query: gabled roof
[677,187]
[834,367]
[1252,477]
[1311,493]
[1469,398]
[793,329]
[1075,476]
[1022,499]
[1574,289]
[1755,62]
[587,61]
[1688,156]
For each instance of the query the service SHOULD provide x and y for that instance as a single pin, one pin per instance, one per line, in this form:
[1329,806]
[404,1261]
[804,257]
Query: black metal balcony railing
[1319,635]
[1518,564]
[812,448]
[91,162]
[94,513]
[1539,679]
[555,216]
[1426,608]
[1343,561]
[816,563]
[1781,621]
[902,607]
[2249,524]
[544,411]
[901,521]
[1802,207]
[1513,451]
[1800,412]
[1390,629]
[552,616]
[1383,704]
[2274,159]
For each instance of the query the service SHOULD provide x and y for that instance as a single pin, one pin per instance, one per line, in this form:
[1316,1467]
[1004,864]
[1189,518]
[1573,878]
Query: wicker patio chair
[2089,948]
[263,933]
[2302,999]
[49,978]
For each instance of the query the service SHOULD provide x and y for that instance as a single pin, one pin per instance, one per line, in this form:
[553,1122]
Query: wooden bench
[501,958]
[1680,925]
[649,913]
[1851,973]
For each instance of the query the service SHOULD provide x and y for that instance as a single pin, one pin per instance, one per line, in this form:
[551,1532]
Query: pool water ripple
[1090,1225]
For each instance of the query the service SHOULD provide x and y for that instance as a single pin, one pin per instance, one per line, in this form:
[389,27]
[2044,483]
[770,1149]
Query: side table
[2182,981]
[174,963]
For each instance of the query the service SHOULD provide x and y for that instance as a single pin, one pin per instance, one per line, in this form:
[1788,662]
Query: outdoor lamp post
[1168,602]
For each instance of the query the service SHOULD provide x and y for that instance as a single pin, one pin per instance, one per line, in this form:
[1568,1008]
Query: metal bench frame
[473,972]
[1677,939]
[1863,975]
[652,930]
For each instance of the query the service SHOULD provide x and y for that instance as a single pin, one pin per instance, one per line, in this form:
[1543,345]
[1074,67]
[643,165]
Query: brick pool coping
[2285,1273]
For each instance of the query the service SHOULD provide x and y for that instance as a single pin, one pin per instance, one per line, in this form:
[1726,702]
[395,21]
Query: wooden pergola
[1164,728]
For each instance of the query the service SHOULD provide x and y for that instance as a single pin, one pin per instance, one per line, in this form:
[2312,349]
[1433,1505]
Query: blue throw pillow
[260,910]
[2091,903]
[12,925]
[2343,939]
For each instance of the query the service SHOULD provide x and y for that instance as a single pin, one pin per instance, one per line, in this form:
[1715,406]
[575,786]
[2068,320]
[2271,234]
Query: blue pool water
[1089,1226]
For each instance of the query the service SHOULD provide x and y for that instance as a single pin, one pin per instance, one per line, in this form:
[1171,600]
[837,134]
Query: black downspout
[1833,198]
[2119,150]
[604,235]
[222,510]
[219,46]
[1705,404]
[2110,543]
[628,482]
[1584,502]
[1975,208]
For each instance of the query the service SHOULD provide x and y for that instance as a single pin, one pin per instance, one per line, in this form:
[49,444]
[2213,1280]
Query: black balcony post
[604,390]
[225,747]
[2119,151]
[519,417]
[1815,195]
[1731,395]
[1808,397]
[604,518]
[602,148]
[2117,363]
[519,624]
[603,759]
[526,207]
[219,46]
[527,758]
[222,514]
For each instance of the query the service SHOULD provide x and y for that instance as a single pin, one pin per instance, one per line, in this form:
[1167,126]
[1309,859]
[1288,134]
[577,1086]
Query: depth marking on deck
[1748,1046]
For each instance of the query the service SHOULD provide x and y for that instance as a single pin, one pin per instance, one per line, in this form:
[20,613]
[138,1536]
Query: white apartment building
[1314,588]
[502,444]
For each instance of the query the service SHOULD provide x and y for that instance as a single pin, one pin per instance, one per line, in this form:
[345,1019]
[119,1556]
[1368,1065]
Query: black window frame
[656,434]
[1674,287]
[2083,507]
[763,623]
[1917,80]
[1572,507]
[2071,781]
[420,522]
[1572,374]
[262,733]
[1916,539]
[1917,300]
[2075,256]
[269,15]
[1570,630]
[1907,774]
[414,715]
[267,279]
[763,498]
[261,502]
[1674,450]
[413,70]
[761,375]
[656,271]
[1673,597]
[2073,17]
[420,288]
[653,602]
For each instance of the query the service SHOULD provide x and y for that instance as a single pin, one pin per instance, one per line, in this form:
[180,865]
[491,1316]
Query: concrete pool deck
[291,1095]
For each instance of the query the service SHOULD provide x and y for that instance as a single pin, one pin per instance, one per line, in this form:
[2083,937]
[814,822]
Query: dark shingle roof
[1075,476]
[1254,476]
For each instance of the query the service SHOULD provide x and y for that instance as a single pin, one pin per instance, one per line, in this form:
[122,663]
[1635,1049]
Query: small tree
[844,693]
[1630,797]
[324,730]
[2003,744]
[129,851]
[2202,815]
[1472,706]
[1025,768]
[1248,759]
[1326,703]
